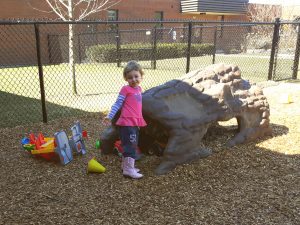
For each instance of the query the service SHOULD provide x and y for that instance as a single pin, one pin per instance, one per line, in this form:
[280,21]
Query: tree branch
[28,3]
[58,8]
[64,4]
[97,7]
[61,9]
[78,3]
[55,10]
[82,15]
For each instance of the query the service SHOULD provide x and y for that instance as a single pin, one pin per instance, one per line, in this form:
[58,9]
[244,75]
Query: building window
[113,15]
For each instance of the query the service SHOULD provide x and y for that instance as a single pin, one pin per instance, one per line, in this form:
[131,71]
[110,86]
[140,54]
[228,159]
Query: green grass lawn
[19,110]
[107,77]
[98,84]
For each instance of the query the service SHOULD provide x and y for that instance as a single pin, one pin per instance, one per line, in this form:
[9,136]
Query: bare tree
[76,10]
[260,36]
[264,12]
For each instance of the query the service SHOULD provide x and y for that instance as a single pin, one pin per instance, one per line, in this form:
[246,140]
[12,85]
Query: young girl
[131,118]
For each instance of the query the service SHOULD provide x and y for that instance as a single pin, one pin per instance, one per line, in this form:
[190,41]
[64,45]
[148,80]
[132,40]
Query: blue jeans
[129,138]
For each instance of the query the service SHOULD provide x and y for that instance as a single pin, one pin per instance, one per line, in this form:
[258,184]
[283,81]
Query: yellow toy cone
[95,167]
[286,98]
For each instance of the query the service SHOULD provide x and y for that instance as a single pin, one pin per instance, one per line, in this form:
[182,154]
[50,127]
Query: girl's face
[134,78]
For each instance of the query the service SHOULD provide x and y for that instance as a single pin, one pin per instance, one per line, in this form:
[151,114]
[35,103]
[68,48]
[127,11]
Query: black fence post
[41,75]
[118,49]
[215,46]
[297,54]
[188,55]
[274,46]
[154,50]
[201,34]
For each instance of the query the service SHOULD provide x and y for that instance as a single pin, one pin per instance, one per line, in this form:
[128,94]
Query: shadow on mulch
[20,110]
[247,184]
[228,131]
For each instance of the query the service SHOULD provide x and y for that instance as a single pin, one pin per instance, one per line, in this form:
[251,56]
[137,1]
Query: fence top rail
[30,22]
[290,22]
[196,22]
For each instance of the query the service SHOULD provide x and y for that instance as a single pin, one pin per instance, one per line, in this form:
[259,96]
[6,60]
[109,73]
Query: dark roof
[214,6]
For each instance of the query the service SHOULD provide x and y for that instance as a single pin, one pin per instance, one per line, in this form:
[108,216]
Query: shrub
[145,51]
[202,49]
[234,51]
[102,53]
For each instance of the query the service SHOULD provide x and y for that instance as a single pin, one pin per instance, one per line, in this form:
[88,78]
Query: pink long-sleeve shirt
[131,108]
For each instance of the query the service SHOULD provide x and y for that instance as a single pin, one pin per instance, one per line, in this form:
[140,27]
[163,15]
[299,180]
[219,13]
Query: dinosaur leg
[108,139]
[182,147]
[251,126]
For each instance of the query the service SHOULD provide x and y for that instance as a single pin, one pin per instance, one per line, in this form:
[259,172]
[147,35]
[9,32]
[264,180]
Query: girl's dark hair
[132,65]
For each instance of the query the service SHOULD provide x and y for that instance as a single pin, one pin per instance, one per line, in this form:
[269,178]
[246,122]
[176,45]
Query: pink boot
[129,170]
[122,165]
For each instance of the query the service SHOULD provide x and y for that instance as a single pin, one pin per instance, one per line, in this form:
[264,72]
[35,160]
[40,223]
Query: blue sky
[285,2]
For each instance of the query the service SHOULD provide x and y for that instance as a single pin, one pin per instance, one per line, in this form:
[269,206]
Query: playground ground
[253,183]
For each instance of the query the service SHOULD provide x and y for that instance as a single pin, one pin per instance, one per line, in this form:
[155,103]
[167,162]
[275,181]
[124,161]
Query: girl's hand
[106,121]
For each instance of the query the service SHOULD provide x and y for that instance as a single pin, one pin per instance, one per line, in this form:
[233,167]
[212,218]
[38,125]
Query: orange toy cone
[95,167]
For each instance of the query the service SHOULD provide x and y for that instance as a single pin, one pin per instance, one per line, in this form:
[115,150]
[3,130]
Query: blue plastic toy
[63,148]
[76,141]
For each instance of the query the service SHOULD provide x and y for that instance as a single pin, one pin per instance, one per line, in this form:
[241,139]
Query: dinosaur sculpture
[180,112]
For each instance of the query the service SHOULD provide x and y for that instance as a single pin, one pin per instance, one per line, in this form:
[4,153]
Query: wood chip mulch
[253,183]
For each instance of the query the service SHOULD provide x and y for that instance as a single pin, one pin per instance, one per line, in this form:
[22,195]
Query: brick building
[127,9]
[19,40]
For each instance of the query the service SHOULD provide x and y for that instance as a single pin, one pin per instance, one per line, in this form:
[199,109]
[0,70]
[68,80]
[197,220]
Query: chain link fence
[46,73]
